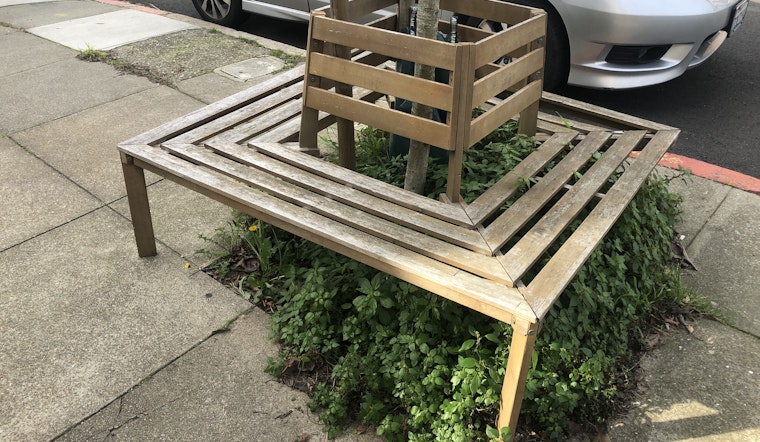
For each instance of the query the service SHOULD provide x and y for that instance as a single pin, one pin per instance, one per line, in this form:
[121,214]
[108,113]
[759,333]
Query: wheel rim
[216,9]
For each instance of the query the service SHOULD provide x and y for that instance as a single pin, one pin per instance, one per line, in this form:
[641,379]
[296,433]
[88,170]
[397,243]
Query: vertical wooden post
[529,116]
[402,16]
[518,365]
[139,209]
[346,141]
[460,118]
[307,137]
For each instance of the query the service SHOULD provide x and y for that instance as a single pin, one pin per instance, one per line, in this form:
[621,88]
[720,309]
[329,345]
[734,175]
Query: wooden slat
[371,58]
[496,116]
[534,243]
[415,49]
[254,127]
[527,206]
[220,108]
[289,130]
[502,79]
[315,194]
[562,267]
[551,128]
[508,40]
[469,33]
[388,22]
[358,9]
[490,9]
[490,298]
[561,120]
[605,117]
[493,198]
[452,213]
[232,119]
[430,93]
[417,128]
[348,195]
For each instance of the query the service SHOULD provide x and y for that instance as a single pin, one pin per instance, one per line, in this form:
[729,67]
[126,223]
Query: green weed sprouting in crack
[91,54]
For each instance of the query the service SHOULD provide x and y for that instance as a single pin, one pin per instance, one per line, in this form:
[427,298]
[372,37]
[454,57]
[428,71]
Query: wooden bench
[244,151]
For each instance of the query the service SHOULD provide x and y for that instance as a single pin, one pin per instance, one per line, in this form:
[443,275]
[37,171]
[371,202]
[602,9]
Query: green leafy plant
[247,254]
[421,368]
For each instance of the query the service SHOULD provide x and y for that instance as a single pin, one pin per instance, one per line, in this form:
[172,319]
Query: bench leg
[137,195]
[518,365]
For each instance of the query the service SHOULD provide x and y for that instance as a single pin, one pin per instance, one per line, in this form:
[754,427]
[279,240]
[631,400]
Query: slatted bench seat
[253,151]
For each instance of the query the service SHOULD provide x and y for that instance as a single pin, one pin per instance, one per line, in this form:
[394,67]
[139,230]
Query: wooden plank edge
[601,114]
[215,110]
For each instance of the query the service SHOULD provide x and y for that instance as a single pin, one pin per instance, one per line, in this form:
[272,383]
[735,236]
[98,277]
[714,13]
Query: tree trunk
[416,168]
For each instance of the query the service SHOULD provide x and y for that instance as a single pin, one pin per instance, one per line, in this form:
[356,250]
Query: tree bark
[416,168]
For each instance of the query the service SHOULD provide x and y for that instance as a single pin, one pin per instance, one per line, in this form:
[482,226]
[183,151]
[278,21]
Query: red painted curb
[147,9]
[712,172]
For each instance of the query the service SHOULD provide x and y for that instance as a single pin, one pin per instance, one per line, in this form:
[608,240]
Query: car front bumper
[668,37]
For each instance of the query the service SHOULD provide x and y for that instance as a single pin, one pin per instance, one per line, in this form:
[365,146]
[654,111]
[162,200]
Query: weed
[92,54]
[291,60]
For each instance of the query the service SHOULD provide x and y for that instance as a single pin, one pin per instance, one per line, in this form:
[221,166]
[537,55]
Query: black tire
[221,12]
[557,63]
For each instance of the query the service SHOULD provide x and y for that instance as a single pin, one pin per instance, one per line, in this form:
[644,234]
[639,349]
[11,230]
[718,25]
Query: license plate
[737,18]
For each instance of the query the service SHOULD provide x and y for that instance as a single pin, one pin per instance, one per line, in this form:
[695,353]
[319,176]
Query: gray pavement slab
[83,320]
[18,44]
[29,14]
[211,87]
[217,391]
[727,254]
[62,88]
[82,146]
[35,198]
[109,30]
[702,198]
[700,387]
[252,69]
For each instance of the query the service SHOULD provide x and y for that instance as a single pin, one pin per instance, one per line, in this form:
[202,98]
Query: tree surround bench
[255,152]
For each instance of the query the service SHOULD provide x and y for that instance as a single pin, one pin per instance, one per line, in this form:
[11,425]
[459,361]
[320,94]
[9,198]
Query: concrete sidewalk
[95,342]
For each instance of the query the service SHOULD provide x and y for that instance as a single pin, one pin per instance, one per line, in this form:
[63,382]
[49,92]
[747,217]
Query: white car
[611,44]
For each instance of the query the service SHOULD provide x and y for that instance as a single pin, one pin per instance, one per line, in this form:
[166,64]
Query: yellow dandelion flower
[253,228]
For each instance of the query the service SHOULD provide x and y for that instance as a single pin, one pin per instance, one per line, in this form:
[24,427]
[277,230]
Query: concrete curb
[712,172]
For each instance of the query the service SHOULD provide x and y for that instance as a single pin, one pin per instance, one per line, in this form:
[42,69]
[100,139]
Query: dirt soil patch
[172,58]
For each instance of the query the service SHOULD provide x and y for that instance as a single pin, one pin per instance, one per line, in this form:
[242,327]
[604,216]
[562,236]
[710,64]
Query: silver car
[612,44]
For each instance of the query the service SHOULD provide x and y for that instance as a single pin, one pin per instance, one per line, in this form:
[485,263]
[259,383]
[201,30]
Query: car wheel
[557,62]
[221,12]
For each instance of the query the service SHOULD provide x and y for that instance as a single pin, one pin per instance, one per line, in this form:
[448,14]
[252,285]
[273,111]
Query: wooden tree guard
[510,264]
[475,79]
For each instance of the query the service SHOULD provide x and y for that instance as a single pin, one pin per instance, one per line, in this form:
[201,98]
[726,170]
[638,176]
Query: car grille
[636,54]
